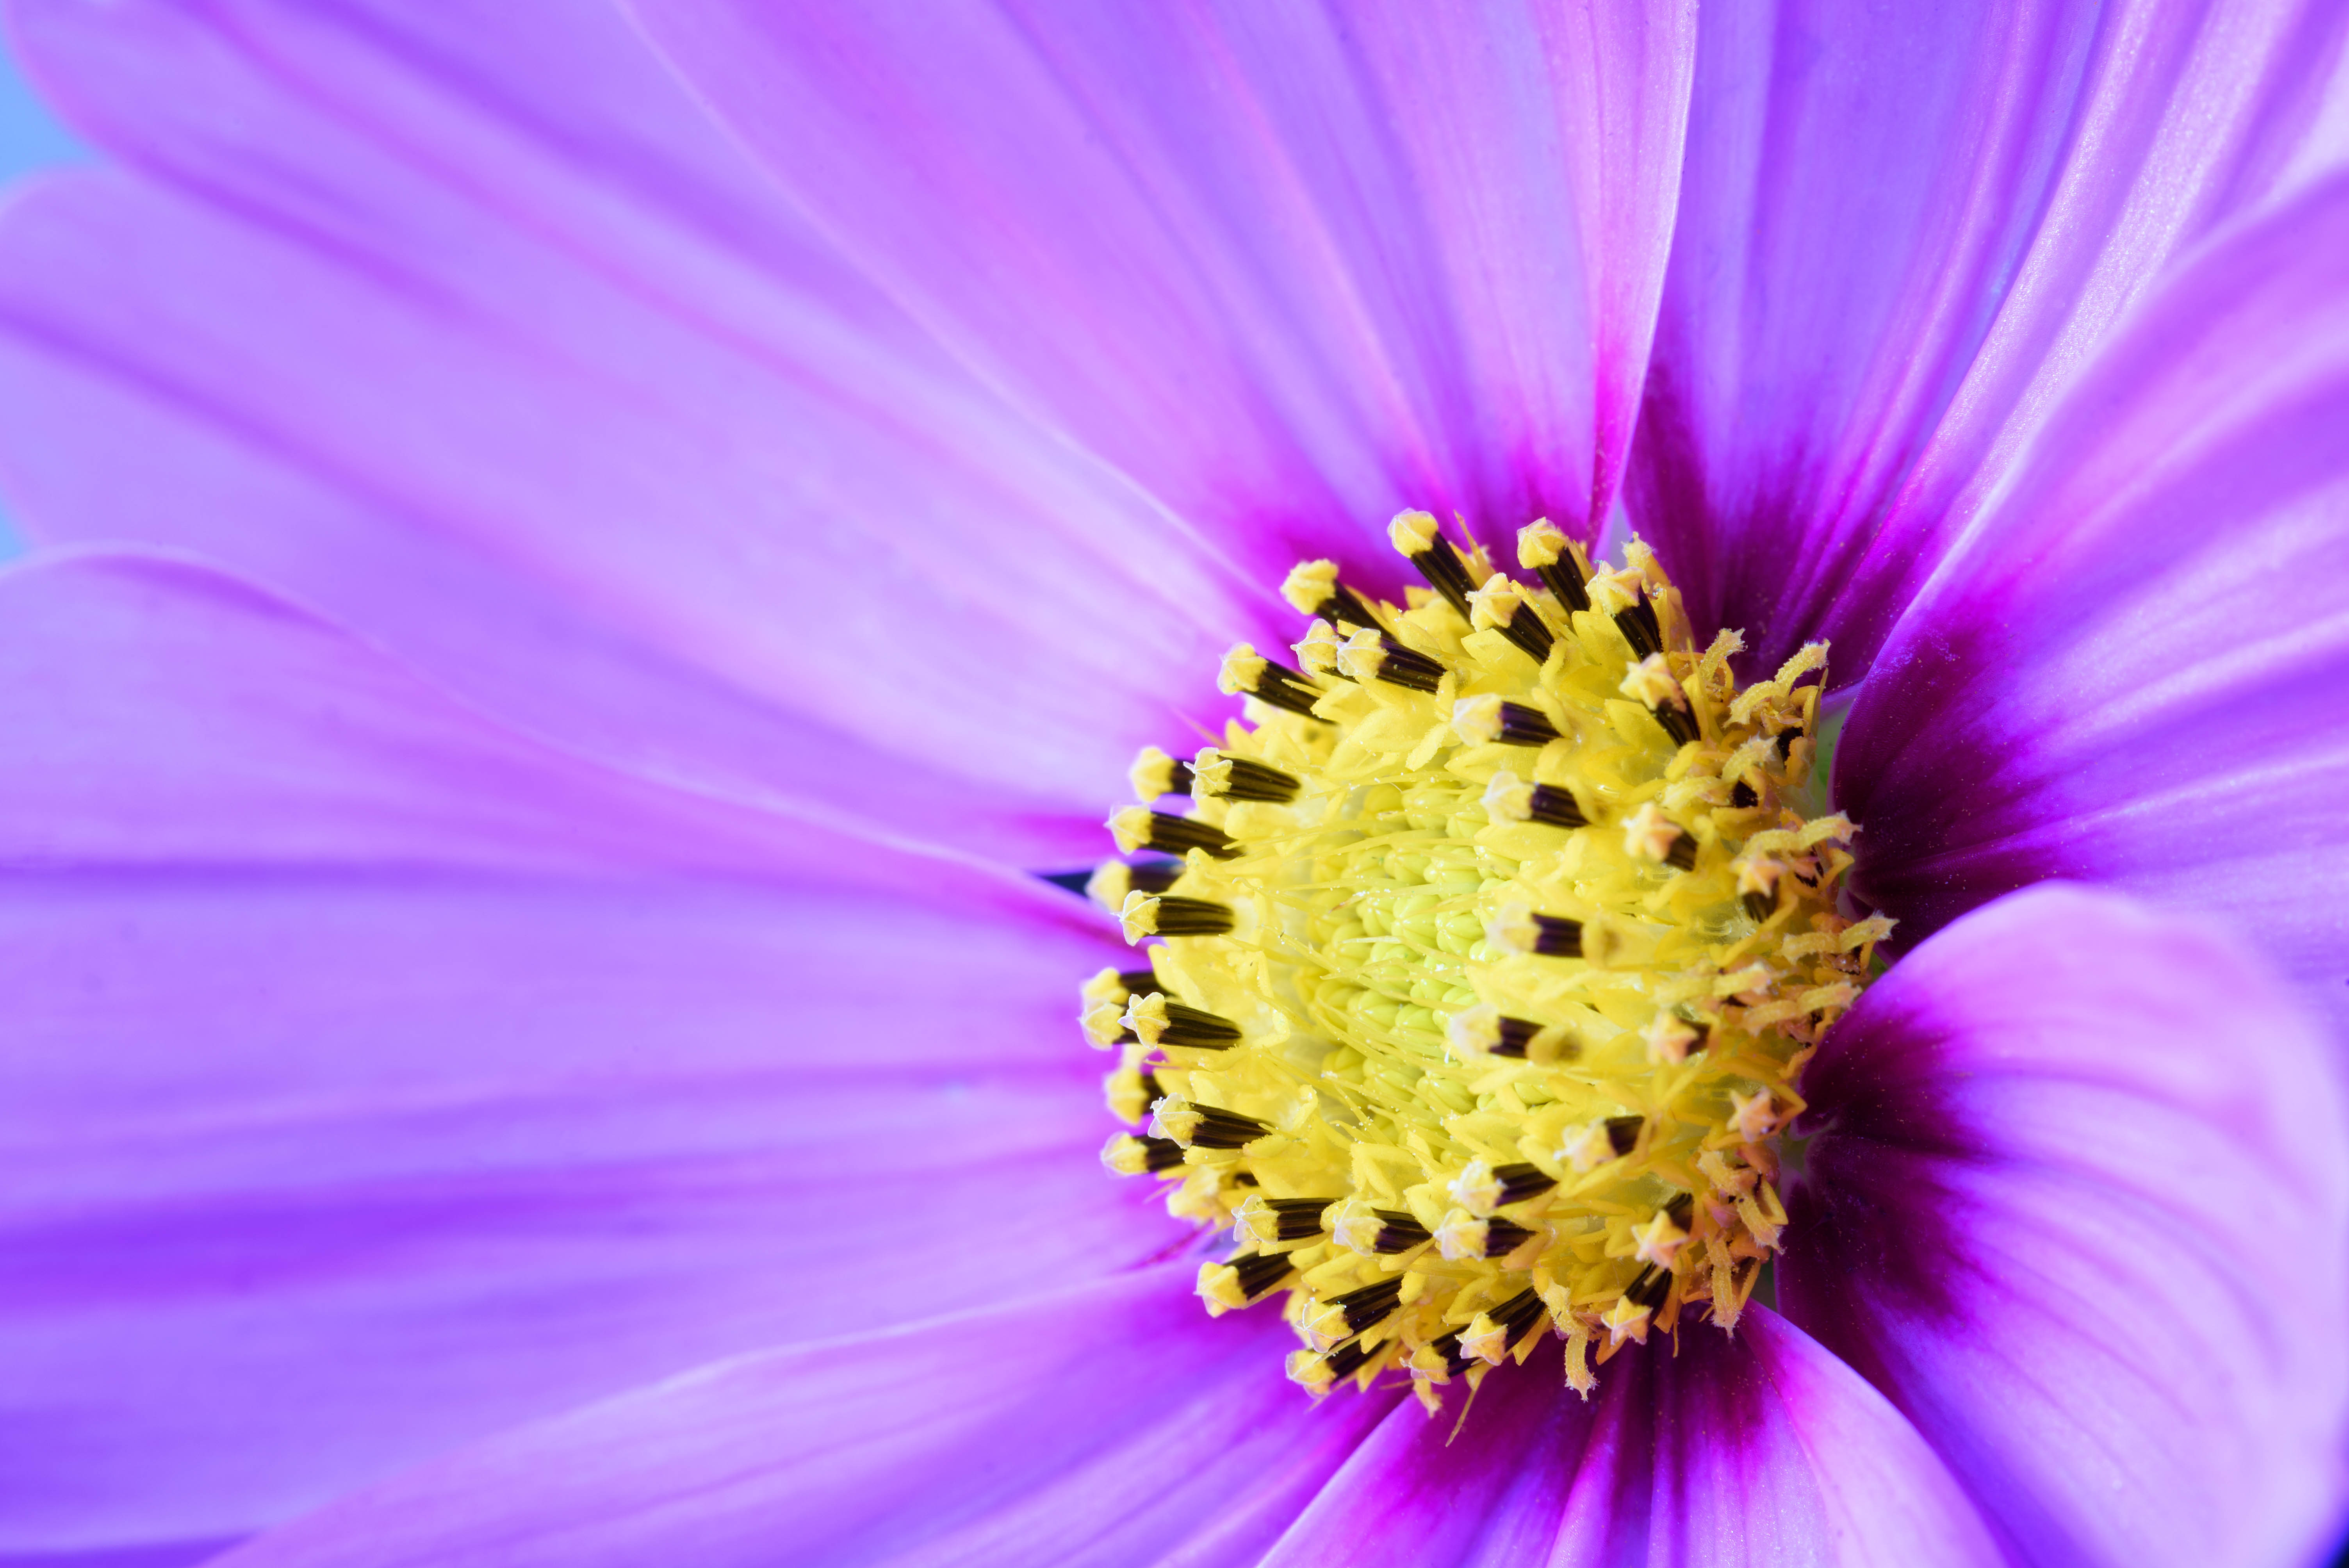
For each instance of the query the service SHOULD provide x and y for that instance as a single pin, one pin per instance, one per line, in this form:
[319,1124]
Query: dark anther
[1743,797]
[1179,777]
[1523,725]
[1503,1236]
[1555,807]
[1220,1129]
[1160,1154]
[1637,621]
[1138,982]
[1255,781]
[1682,856]
[1173,835]
[1445,572]
[1524,628]
[1563,578]
[1650,1288]
[1398,1232]
[1455,1361]
[1516,1034]
[1243,1179]
[1679,1210]
[1153,876]
[1259,1271]
[1342,610]
[1153,1091]
[1786,739]
[1516,1315]
[1622,1134]
[1521,1180]
[1193,917]
[1761,905]
[1678,722]
[1554,937]
[1408,668]
[1297,1218]
[1347,1360]
[1198,1030]
[1370,1305]
[1284,688]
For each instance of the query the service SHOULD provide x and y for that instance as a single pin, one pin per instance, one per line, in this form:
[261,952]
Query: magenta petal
[463,323]
[2078,1201]
[1289,268]
[1111,1425]
[2139,674]
[376,1080]
[1901,228]
[1762,1449]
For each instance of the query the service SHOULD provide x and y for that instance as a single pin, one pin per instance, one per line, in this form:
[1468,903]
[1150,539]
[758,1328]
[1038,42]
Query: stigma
[1479,962]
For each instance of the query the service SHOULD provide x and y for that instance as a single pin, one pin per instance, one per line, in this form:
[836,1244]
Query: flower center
[1485,958]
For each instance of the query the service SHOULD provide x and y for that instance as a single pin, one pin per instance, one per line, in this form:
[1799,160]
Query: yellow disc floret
[1482,966]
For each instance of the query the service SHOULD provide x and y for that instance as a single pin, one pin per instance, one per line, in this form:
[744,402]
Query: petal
[1902,232]
[463,324]
[376,1080]
[1108,1426]
[1291,269]
[2078,1201]
[2140,674]
[1719,1451]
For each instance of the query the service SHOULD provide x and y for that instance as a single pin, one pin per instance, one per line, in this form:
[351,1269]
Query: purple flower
[576,583]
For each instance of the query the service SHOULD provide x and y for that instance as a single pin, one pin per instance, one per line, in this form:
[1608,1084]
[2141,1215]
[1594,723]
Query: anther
[1272,1220]
[1248,672]
[1659,1241]
[1650,1288]
[1156,1021]
[1482,720]
[1517,929]
[1218,772]
[1112,880]
[1637,621]
[1543,549]
[1422,542]
[1359,1227]
[1236,1281]
[1343,1316]
[1441,1357]
[1673,1041]
[1128,1155]
[1372,655]
[1313,587]
[1154,773]
[1501,605]
[1195,1126]
[1491,1333]
[1486,1028]
[1648,833]
[1623,1133]
[1132,1092]
[1650,682]
[1136,828]
[1465,1235]
[1482,1188]
[1509,799]
[1167,914]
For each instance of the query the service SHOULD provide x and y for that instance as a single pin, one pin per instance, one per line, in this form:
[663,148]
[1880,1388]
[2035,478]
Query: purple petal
[376,1080]
[1289,270]
[1110,1425]
[1901,230]
[1714,1451]
[2078,1201]
[2140,674]
[462,324]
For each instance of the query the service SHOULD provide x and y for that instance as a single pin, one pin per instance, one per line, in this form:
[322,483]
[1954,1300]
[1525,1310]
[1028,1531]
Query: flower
[509,832]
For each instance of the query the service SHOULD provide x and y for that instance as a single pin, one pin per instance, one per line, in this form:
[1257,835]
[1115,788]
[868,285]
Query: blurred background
[30,138]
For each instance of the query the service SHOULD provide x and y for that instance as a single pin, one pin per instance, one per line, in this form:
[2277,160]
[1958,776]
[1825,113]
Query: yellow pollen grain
[1447,1071]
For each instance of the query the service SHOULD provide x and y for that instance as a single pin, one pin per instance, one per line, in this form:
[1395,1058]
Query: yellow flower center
[1481,965]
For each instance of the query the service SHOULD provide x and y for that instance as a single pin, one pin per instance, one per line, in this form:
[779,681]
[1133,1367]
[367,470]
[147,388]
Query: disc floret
[1482,966]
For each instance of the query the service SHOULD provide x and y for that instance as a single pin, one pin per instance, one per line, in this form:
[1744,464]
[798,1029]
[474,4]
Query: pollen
[1476,978]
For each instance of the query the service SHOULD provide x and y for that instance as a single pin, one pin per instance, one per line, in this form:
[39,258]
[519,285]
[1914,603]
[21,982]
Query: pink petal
[1762,1449]
[462,324]
[1289,270]
[378,1079]
[1902,231]
[1111,1425]
[2078,1201]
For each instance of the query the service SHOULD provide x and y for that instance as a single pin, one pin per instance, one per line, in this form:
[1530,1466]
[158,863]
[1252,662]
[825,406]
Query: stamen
[1313,587]
[1154,773]
[1218,773]
[1135,827]
[1447,1037]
